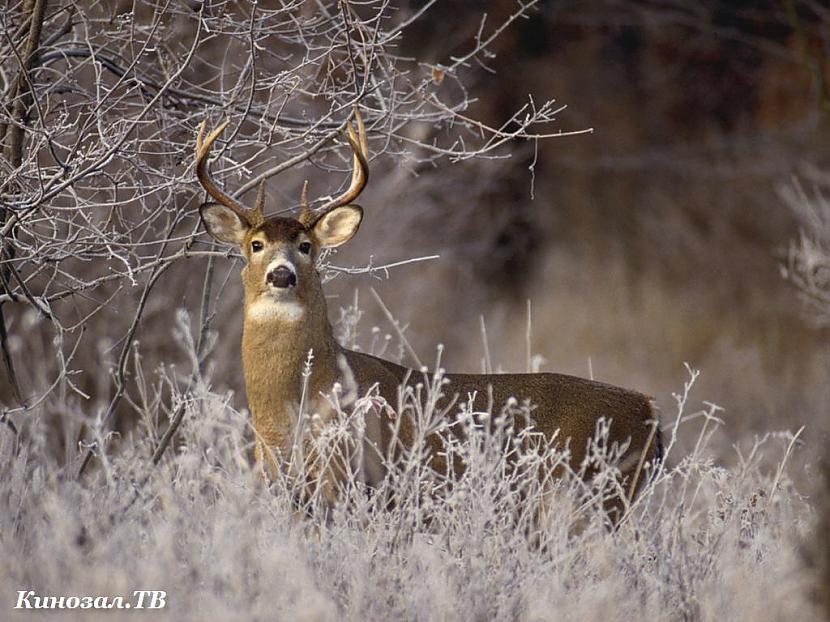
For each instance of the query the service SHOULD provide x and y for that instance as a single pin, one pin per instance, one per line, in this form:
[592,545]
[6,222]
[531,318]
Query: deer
[285,320]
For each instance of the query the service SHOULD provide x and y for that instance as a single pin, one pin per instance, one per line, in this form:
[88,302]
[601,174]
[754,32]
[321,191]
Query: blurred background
[674,232]
[657,239]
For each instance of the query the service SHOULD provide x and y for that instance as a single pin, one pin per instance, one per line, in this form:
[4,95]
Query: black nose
[281,277]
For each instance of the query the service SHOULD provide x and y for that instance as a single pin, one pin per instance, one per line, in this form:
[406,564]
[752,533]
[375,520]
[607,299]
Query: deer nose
[281,277]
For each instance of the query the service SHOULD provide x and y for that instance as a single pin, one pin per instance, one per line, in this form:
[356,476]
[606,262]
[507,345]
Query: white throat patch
[267,309]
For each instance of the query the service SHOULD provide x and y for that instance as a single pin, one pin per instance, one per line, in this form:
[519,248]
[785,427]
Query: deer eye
[305,248]
[256,246]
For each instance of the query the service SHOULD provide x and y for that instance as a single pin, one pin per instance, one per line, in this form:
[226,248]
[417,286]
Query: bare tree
[99,108]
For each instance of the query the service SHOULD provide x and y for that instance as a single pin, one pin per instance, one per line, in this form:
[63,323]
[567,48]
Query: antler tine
[360,167]
[306,216]
[256,214]
[203,145]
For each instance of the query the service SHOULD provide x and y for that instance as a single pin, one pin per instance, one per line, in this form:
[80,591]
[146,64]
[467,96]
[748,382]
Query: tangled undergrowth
[700,542]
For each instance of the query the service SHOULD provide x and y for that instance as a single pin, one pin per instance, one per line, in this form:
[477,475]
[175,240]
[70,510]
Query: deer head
[280,277]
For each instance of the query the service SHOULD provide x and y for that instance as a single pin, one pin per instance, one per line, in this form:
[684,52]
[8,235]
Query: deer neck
[274,355]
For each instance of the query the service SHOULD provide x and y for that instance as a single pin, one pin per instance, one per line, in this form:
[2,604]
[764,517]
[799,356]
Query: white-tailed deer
[285,318]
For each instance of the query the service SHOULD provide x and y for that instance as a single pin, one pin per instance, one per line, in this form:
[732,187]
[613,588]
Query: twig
[397,327]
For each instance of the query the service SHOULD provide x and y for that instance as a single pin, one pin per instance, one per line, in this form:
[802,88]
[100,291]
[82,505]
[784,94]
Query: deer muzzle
[281,277]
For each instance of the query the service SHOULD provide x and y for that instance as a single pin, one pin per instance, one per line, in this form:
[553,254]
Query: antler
[360,172]
[251,216]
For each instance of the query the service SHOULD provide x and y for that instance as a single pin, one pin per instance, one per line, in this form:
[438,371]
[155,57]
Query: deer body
[286,319]
[566,408]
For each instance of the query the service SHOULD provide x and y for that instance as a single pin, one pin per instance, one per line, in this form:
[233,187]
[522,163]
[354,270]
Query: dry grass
[702,542]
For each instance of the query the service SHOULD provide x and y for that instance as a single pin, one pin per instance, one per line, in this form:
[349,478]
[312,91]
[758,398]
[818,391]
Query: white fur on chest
[267,309]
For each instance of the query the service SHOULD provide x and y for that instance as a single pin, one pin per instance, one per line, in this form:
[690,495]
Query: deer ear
[223,224]
[338,226]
